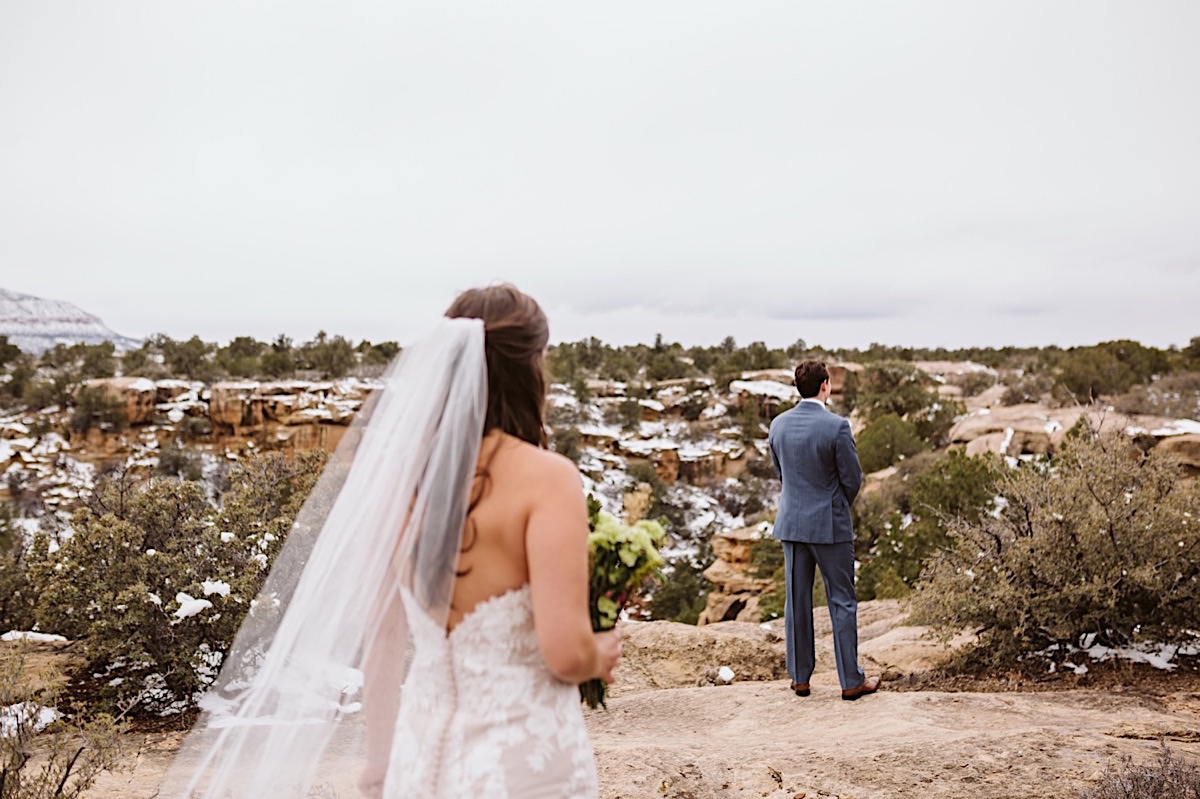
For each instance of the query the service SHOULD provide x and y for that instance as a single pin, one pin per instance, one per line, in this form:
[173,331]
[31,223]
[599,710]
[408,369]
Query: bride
[426,624]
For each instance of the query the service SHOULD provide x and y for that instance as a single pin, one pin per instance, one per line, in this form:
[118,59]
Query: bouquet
[620,558]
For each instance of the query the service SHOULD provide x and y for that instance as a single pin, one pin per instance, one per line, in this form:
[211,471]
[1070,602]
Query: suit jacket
[815,457]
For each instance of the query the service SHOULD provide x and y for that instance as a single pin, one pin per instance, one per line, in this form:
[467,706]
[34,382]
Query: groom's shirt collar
[813,400]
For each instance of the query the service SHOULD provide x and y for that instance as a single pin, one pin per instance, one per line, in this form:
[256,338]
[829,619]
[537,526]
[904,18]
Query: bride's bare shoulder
[542,468]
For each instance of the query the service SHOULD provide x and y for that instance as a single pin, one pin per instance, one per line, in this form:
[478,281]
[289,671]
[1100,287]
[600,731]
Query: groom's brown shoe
[869,686]
[801,688]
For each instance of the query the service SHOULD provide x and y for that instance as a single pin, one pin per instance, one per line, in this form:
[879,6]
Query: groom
[815,457]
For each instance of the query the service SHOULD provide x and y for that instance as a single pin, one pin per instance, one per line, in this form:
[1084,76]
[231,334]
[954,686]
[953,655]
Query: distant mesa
[35,325]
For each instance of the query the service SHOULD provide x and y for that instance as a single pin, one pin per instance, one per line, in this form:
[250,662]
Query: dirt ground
[664,735]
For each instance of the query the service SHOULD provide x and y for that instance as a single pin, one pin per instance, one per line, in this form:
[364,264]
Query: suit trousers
[836,562]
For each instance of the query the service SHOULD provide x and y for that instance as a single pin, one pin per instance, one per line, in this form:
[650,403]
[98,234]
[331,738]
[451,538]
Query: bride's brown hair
[515,338]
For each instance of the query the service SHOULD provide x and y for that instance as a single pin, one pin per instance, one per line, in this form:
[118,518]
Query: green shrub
[1113,367]
[579,387]
[629,413]
[1175,395]
[666,366]
[113,584]
[95,407]
[934,422]
[893,388]
[332,357]
[910,525]
[56,389]
[751,421]
[1103,542]
[566,442]
[1190,355]
[85,360]
[1170,778]
[175,460]
[241,357]
[9,352]
[1026,388]
[280,360]
[885,441]
[16,595]
[681,592]
[191,359]
[976,383]
[663,507]
[380,354]
[693,406]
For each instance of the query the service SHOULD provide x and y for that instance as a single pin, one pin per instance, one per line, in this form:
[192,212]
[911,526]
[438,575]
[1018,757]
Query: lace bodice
[481,715]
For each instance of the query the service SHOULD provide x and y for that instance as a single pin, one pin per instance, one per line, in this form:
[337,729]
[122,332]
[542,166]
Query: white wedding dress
[482,716]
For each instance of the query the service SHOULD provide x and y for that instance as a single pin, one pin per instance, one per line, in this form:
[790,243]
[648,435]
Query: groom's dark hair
[809,377]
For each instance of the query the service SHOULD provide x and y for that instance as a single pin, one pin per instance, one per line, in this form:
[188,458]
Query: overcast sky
[931,172]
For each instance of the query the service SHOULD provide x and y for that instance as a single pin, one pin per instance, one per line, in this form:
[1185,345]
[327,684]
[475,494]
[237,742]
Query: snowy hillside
[35,324]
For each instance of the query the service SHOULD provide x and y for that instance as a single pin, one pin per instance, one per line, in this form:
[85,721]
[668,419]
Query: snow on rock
[763,388]
[600,431]
[1179,427]
[42,638]
[648,446]
[29,714]
[715,412]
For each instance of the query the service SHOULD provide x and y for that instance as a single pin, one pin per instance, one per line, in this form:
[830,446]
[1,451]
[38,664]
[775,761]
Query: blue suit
[815,458]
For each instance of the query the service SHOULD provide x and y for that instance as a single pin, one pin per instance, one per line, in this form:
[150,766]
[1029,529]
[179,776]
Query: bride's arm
[556,550]
[383,673]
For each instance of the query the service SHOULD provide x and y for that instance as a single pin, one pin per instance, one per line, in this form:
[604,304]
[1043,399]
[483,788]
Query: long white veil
[286,715]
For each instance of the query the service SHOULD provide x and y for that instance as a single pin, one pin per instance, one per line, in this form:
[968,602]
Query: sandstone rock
[953,369]
[734,546]
[652,410]
[604,439]
[1019,418]
[606,388]
[666,654]
[278,407]
[1186,448]
[172,390]
[137,395]
[1029,443]
[732,579]
[992,442]
[700,465]
[236,405]
[309,437]
[987,399]
[666,464]
[737,590]
[740,606]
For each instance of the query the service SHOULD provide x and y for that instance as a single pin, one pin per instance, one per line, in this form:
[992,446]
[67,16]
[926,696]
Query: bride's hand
[370,784]
[608,651]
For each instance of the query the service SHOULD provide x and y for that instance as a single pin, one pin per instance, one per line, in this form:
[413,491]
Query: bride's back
[509,483]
